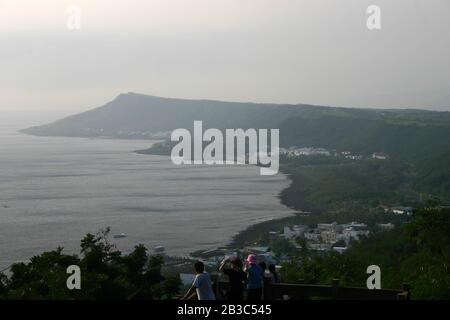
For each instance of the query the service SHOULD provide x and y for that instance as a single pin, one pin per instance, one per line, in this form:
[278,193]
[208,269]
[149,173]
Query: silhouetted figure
[236,277]
[263,266]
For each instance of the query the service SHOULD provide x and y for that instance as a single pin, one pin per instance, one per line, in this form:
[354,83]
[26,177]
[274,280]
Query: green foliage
[324,185]
[417,253]
[401,140]
[105,274]
[336,184]
[171,286]
[282,246]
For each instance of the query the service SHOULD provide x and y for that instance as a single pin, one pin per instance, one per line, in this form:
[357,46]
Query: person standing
[236,278]
[201,285]
[255,276]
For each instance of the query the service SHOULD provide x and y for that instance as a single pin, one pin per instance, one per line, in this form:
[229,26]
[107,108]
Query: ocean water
[55,190]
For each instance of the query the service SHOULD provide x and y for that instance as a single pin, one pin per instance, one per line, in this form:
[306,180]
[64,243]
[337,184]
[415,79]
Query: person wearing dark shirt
[263,266]
[236,277]
[255,276]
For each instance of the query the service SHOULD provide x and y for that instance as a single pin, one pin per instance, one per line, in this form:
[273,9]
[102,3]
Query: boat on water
[120,235]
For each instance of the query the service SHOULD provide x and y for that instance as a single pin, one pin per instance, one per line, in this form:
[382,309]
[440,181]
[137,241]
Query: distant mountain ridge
[140,113]
[417,138]
[133,112]
[403,133]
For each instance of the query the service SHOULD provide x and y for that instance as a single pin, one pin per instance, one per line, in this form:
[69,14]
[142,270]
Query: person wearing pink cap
[255,276]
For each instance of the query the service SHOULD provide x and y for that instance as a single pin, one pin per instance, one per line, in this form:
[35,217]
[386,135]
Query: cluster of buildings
[350,155]
[328,236]
[323,237]
[309,151]
[128,134]
[293,152]
[143,134]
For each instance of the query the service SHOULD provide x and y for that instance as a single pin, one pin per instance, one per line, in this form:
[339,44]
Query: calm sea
[55,190]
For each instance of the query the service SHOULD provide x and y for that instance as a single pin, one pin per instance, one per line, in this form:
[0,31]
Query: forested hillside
[417,253]
[415,141]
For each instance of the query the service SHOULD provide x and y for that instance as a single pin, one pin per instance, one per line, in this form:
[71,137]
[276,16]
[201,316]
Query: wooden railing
[333,291]
[286,291]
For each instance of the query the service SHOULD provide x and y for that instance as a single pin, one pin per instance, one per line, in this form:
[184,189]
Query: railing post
[267,289]
[335,288]
[406,290]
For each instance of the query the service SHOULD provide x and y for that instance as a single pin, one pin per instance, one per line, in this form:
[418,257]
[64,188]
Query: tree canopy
[417,253]
[106,273]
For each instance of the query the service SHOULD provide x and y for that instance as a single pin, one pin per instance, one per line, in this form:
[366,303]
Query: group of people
[249,274]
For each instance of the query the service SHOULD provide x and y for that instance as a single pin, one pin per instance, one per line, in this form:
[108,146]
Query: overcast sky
[284,51]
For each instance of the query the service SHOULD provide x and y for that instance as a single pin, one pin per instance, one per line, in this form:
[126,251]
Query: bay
[54,190]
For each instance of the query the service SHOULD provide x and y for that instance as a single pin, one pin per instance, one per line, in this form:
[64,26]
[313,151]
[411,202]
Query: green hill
[416,141]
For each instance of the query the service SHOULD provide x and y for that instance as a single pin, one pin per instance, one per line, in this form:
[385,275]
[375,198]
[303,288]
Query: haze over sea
[55,190]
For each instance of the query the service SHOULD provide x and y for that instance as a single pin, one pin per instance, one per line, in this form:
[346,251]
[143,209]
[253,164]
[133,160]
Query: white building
[386,226]
[379,156]
[403,210]
[328,236]
[354,233]
[339,249]
[312,236]
[294,232]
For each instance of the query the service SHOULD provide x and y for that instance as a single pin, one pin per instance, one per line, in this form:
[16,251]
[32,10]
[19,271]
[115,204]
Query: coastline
[250,229]
[254,202]
[251,232]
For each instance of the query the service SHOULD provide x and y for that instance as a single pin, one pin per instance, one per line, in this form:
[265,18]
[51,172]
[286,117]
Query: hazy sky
[285,51]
